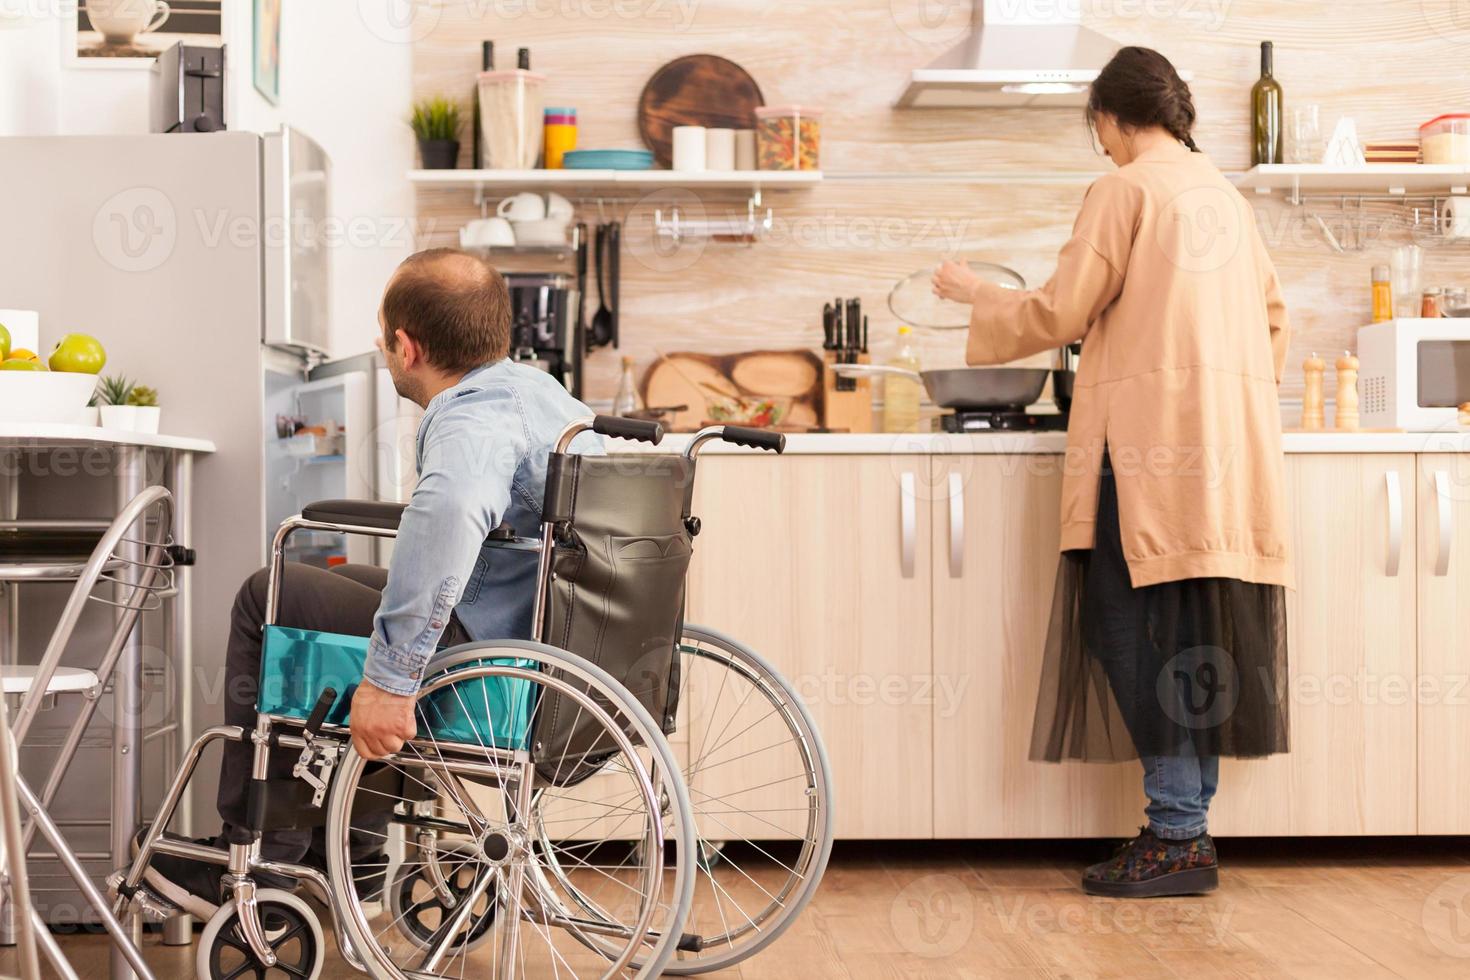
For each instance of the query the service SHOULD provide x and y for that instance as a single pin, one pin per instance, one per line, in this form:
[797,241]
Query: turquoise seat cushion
[297,665]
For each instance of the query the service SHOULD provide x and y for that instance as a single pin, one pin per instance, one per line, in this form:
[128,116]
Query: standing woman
[1168,630]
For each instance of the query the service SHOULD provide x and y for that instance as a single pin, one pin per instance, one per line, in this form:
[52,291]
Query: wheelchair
[623,795]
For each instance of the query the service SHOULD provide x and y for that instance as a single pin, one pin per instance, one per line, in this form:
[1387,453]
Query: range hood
[1006,63]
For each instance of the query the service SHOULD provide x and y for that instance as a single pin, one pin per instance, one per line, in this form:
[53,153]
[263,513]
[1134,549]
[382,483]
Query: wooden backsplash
[1390,65]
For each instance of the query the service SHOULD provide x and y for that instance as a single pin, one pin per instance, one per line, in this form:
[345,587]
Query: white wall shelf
[1392,179]
[488,181]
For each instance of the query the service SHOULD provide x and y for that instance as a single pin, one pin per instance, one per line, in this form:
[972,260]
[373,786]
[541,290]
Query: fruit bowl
[45,396]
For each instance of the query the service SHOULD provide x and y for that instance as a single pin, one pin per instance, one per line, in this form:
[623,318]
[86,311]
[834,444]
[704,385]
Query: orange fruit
[21,354]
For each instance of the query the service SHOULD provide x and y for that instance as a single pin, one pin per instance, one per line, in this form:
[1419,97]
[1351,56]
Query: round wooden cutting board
[696,90]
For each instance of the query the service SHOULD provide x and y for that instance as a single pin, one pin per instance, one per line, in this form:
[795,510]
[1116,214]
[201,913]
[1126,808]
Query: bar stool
[133,561]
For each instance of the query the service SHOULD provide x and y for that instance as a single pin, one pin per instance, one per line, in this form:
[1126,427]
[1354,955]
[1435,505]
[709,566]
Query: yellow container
[560,136]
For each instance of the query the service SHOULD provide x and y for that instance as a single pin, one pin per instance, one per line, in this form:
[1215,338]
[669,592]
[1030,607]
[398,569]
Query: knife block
[851,411]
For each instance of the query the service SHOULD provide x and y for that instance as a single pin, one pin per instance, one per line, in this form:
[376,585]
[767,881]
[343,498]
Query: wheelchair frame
[322,744]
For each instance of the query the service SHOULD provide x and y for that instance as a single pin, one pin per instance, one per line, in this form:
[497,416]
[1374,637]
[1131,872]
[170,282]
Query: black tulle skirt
[1190,667]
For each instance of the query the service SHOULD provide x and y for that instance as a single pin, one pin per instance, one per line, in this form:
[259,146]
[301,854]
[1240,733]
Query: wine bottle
[1266,119]
[487,63]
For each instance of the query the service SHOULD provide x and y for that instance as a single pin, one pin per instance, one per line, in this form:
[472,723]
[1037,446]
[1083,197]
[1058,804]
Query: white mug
[1457,217]
[689,148]
[523,207]
[487,233]
[559,208]
[119,21]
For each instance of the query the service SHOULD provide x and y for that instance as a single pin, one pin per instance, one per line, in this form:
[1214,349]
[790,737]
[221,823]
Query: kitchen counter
[46,435]
[1012,443]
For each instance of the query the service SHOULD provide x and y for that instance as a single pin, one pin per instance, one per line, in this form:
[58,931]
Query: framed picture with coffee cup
[131,33]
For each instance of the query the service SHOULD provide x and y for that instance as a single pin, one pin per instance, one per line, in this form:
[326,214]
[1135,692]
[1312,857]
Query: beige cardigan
[1168,285]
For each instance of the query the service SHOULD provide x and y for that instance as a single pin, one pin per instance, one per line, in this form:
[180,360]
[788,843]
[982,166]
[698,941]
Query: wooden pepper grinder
[1347,393]
[1314,402]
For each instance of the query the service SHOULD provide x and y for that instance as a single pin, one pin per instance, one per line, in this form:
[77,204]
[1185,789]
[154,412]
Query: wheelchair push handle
[755,438]
[637,430]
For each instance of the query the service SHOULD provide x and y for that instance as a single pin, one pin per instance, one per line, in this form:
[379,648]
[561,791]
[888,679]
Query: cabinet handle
[1395,523]
[908,523]
[1446,523]
[956,526]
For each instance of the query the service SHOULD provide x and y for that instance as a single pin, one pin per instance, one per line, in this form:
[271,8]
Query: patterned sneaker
[1150,867]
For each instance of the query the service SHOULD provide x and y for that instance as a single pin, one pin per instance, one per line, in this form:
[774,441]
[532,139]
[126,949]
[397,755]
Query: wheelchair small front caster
[291,929]
[418,911]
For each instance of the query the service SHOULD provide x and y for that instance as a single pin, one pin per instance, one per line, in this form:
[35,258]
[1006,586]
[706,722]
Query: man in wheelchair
[488,430]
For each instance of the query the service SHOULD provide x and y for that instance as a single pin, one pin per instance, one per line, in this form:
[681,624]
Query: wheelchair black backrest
[622,552]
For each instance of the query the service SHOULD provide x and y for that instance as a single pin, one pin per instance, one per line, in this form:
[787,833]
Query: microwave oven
[1414,374]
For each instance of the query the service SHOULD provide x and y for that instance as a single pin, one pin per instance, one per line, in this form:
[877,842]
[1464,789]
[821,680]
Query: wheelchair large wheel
[473,795]
[761,792]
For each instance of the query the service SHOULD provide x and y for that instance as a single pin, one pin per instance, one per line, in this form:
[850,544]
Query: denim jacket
[482,451]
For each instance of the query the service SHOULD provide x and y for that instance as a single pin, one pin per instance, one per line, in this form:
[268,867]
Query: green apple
[16,364]
[4,342]
[77,353]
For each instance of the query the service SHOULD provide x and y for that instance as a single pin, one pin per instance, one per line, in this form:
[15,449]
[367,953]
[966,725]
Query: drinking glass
[1304,134]
[1405,264]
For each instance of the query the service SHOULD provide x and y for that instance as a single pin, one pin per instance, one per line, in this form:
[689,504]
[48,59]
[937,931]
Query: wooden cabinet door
[1351,627]
[1444,643]
[805,560]
[996,537]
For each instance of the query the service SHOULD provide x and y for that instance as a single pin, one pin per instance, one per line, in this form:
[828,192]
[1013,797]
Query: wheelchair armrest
[381,514]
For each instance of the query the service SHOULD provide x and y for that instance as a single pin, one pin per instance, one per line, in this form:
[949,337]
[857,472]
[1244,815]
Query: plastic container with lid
[561,135]
[1446,139]
[511,118]
[789,137]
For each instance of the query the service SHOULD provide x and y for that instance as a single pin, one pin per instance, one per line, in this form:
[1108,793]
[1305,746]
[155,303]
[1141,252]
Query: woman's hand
[955,282]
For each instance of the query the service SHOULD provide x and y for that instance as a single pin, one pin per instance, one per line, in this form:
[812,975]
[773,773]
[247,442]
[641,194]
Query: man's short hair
[453,304]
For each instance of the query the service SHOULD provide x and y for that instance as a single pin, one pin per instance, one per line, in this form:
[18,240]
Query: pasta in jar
[789,138]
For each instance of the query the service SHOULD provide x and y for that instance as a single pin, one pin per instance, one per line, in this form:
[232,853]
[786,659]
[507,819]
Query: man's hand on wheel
[381,721]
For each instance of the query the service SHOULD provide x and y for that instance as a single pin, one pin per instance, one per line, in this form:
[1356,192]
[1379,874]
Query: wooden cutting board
[696,90]
[686,378]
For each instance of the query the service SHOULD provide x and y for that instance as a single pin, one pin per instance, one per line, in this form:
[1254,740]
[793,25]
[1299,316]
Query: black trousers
[343,600]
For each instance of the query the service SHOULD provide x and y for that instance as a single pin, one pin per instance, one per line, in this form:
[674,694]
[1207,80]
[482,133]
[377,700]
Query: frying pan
[967,389]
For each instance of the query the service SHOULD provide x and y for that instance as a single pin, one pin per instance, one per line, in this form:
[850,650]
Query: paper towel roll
[689,148]
[744,149]
[719,149]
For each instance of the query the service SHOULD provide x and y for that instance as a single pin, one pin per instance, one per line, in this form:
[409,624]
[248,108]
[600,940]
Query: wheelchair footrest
[154,907]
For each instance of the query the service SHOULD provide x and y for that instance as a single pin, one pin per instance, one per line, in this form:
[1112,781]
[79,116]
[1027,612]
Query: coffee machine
[545,328]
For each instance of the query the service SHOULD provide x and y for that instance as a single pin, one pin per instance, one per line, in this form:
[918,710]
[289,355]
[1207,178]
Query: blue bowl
[608,160]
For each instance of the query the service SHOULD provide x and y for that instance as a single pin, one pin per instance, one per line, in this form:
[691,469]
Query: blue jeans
[1179,788]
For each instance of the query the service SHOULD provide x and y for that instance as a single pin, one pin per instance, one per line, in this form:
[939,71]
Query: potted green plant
[128,406]
[435,123]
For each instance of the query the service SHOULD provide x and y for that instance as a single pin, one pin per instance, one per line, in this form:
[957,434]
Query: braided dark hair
[1140,88]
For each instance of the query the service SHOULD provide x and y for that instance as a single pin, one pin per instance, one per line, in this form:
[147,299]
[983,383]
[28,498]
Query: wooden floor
[1335,909]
